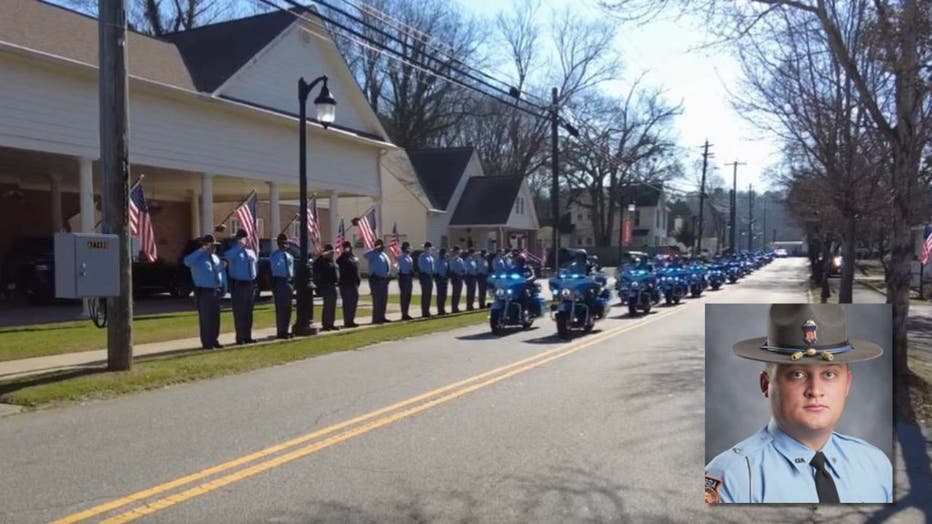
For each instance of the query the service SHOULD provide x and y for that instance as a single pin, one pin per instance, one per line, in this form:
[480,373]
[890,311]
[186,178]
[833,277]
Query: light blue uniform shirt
[442,267]
[499,264]
[242,262]
[206,270]
[482,266]
[405,264]
[457,267]
[471,267]
[772,466]
[282,264]
[425,263]
[379,265]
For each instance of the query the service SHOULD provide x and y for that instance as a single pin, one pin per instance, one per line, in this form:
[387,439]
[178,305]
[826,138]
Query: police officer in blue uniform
[472,270]
[405,279]
[457,273]
[348,265]
[325,280]
[282,263]
[797,457]
[482,276]
[441,277]
[242,262]
[426,269]
[379,271]
[209,279]
[500,262]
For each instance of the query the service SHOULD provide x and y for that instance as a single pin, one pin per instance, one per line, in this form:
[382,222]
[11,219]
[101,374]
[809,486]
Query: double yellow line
[353,427]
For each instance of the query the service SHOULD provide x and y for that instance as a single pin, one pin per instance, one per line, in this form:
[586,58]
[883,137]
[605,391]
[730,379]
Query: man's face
[807,399]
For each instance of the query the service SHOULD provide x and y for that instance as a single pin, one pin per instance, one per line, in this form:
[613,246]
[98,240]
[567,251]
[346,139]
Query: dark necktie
[824,484]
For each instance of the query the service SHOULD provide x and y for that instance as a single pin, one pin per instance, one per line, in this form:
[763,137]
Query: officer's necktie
[824,484]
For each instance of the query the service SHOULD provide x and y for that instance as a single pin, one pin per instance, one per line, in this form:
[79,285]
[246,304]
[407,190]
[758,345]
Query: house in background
[442,195]
[651,218]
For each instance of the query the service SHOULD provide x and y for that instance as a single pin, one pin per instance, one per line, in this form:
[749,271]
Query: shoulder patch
[713,488]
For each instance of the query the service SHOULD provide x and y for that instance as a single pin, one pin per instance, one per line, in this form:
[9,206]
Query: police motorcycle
[733,270]
[639,289]
[716,276]
[696,279]
[581,297]
[673,284]
[517,301]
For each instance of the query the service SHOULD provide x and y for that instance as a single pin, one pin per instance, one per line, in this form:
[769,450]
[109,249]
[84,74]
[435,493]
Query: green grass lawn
[159,371]
[70,337]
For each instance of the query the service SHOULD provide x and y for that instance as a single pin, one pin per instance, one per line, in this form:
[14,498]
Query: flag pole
[221,226]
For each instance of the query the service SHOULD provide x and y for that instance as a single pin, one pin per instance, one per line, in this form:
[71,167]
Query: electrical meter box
[87,265]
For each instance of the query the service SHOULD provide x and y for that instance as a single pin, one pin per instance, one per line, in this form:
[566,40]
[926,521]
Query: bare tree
[625,142]
[159,17]
[901,114]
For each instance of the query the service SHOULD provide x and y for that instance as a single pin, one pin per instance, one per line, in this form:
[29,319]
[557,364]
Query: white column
[334,215]
[275,217]
[55,186]
[194,199]
[207,203]
[86,185]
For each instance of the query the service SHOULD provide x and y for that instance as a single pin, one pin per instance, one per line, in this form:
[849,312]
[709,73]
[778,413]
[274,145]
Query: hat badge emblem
[809,332]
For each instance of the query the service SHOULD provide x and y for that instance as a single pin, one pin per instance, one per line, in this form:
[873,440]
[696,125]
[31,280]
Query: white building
[212,116]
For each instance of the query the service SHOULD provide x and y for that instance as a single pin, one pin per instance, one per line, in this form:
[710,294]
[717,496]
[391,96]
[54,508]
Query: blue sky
[669,50]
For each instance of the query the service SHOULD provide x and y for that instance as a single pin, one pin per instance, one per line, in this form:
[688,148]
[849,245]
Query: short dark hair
[241,233]
[428,244]
[378,242]
[347,244]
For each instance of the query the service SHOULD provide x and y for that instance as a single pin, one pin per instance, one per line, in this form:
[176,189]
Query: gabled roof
[439,171]
[642,195]
[54,30]
[487,200]
[213,53]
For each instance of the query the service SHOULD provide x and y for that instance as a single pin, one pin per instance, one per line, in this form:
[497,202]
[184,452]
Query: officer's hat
[807,334]
[241,233]
[208,239]
[282,238]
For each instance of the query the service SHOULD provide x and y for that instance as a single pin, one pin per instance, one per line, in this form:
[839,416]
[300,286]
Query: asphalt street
[454,427]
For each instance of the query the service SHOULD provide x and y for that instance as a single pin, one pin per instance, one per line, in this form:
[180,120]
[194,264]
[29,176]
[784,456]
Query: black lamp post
[326,111]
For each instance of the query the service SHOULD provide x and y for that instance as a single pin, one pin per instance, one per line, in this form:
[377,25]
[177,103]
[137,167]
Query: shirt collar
[797,453]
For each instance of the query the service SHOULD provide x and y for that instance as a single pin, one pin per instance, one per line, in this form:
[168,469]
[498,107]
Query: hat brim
[861,350]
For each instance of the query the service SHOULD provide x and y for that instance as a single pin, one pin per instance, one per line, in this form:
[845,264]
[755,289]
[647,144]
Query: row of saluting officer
[330,278]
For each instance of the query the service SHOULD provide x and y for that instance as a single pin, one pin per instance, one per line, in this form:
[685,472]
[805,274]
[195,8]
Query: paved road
[607,428]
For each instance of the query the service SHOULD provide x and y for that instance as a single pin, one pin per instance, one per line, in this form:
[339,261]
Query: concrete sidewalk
[32,366]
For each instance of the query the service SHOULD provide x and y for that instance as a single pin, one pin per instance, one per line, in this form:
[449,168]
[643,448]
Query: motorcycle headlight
[565,293]
[510,292]
[499,292]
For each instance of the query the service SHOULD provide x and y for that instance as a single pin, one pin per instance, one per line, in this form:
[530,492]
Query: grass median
[155,372]
[39,340]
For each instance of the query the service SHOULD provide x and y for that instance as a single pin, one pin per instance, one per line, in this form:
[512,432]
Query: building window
[444,241]
[579,217]
[657,218]
[589,241]
[637,218]
[519,206]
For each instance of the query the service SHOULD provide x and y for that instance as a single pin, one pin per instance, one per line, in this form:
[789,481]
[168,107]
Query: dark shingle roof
[439,171]
[214,52]
[487,200]
[642,195]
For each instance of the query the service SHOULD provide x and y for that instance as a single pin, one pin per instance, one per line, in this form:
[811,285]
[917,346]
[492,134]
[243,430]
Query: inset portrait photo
[799,403]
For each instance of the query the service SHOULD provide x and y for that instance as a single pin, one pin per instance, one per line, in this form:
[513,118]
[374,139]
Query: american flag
[366,226]
[926,245]
[140,223]
[246,216]
[338,243]
[394,246]
[313,226]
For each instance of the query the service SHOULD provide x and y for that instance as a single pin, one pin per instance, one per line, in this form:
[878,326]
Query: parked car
[780,253]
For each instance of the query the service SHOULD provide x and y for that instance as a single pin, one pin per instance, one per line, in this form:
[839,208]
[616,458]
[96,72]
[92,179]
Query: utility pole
[114,167]
[705,162]
[734,205]
[750,217]
[763,236]
[555,183]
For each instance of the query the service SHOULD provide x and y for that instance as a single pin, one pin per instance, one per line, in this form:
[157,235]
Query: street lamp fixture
[326,107]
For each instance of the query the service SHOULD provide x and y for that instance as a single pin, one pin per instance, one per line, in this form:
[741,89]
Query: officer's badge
[713,488]
[809,332]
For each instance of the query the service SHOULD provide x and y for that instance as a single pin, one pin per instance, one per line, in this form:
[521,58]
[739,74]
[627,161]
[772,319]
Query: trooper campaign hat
[807,334]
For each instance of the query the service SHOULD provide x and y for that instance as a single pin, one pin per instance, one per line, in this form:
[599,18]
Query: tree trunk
[846,287]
